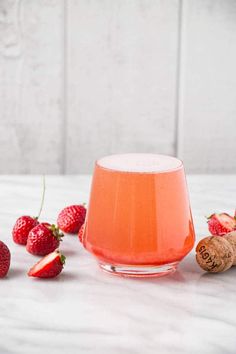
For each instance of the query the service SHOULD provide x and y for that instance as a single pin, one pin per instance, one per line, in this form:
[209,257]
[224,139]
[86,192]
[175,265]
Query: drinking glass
[139,220]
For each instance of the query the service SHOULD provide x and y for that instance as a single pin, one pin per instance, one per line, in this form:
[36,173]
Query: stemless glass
[139,220]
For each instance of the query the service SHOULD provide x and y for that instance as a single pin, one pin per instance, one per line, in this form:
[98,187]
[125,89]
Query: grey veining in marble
[86,310]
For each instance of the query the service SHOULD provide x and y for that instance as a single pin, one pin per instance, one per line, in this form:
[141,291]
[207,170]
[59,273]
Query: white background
[80,79]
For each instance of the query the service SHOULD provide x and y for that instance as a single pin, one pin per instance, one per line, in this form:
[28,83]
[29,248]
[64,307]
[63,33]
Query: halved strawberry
[221,224]
[49,266]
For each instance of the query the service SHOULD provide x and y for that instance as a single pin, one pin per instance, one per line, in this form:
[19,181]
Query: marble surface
[88,311]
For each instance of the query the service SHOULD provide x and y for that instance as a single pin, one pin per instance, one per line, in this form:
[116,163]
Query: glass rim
[167,170]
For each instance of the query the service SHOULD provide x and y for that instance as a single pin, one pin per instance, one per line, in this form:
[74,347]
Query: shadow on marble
[190,265]
[4,350]
[15,273]
[67,276]
[63,277]
[69,252]
[177,276]
[223,276]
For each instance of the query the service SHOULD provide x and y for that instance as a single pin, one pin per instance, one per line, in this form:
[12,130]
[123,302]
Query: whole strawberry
[71,218]
[43,239]
[221,224]
[22,227]
[81,233]
[49,266]
[5,258]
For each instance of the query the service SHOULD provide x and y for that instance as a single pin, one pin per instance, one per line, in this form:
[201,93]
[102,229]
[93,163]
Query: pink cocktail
[139,220]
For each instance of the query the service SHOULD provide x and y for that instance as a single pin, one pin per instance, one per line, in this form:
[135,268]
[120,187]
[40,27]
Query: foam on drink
[143,163]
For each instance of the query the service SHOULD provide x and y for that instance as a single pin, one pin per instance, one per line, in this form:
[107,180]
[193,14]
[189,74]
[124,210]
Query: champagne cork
[231,238]
[216,253]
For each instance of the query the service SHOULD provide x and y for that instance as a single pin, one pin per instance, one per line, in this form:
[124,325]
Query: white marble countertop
[87,311]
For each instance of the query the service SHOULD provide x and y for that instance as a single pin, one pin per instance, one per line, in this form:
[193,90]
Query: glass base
[139,271]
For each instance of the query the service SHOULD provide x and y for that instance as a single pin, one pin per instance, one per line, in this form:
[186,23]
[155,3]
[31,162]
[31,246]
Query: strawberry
[49,266]
[22,227]
[81,233]
[5,258]
[221,224]
[43,239]
[71,218]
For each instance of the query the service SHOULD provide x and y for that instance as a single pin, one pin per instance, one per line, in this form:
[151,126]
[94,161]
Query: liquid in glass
[139,220]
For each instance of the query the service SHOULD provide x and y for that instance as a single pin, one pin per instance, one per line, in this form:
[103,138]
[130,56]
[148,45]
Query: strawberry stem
[42,199]
[63,258]
[209,217]
[56,232]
